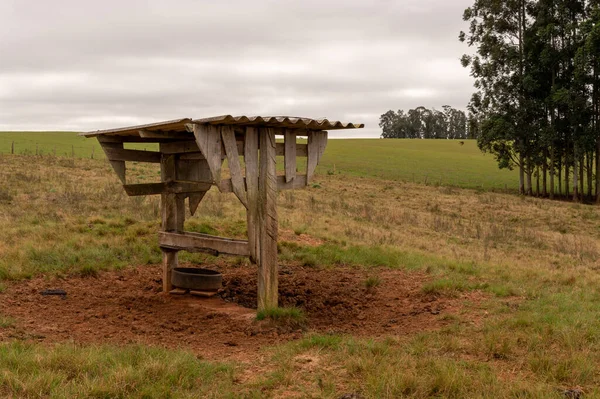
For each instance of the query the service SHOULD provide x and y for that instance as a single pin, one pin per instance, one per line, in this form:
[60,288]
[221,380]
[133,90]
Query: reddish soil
[127,306]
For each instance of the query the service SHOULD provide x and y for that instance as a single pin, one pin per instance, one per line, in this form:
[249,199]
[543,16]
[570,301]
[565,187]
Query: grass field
[521,272]
[436,162]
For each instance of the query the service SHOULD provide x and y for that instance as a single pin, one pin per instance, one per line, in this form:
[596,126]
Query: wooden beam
[299,181]
[233,160]
[118,166]
[159,134]
[317,141]
[267,222]
[170,215]
[251,161]
[290,154]
[131,139]
[119,154]
[172,187]
[200,242]
[301,149]
[179,147]
[193,170]
[208,138]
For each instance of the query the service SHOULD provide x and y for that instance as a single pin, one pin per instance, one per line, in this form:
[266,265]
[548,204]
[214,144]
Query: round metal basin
[193,278]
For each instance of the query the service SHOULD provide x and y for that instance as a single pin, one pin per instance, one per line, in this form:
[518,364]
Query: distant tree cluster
[537,75]
[423,123]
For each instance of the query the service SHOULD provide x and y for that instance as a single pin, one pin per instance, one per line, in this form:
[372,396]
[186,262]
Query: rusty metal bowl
[193,278]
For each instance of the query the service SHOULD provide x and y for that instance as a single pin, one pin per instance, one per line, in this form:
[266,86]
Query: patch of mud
[127,306]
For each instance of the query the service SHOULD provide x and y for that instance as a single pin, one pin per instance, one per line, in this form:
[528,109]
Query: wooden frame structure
[191,154]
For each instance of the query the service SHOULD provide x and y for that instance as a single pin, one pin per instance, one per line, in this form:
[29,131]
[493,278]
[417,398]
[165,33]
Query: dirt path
[127,307]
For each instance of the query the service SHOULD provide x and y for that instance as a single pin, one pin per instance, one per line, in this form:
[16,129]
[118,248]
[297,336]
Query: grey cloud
[85,65]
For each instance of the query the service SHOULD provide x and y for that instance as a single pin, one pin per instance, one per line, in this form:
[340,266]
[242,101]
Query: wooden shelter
[191,154]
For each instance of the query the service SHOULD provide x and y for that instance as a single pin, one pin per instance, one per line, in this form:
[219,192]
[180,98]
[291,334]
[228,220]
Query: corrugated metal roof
[178,125]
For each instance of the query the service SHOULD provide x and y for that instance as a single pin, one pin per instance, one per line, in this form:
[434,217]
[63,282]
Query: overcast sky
[85,65]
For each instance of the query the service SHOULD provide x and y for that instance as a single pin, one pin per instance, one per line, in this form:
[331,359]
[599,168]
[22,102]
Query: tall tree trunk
[559,170]
[575,173]
[545,174]
[537,181]
[598,170]
[590,161]
[567,187]
[581,179]
[551,173]
[521,175]
[529,173]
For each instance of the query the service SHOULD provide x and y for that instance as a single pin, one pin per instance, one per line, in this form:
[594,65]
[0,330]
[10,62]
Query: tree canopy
[423,123]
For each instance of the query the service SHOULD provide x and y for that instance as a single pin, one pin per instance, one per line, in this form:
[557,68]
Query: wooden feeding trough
[191,154]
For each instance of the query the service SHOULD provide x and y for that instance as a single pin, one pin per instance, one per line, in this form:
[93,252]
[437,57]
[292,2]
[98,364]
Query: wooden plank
[233,160]
[173,187]
[199,242]
[134,190]
[317,141]
[251,161]
[159,134]
[118,166]
[290,155]
[208,138]
[131,139]
[170,217]
[119,154]
[301,149]
[179,147]
[226,185]
[193,170]
[267,221]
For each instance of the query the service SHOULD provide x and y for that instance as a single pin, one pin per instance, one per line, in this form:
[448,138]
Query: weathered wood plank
[251,161]
[118,166]
[208,138]
[131,139]
[119,154]
[267,222]
[299,182]
[200,242]
[159,134]
[179,147]
[301,149]
[233,160]
[317,141]
[173,187]
[290,154]
[193,170]
[170,217]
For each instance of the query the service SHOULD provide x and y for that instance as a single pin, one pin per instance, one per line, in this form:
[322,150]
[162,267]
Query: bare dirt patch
[127,306]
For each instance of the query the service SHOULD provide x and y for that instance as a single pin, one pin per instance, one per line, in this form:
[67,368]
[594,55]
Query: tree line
[536,65]
[423,123]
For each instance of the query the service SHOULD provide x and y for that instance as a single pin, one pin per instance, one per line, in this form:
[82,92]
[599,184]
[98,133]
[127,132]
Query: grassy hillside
[519,277]
[436,162]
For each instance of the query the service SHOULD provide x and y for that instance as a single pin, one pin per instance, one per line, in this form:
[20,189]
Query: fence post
[93,148]
[72,151]
[36,148]
[12,148]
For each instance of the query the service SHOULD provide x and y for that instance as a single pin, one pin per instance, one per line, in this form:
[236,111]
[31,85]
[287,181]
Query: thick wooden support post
[251,161]
[267,222]
[173,215]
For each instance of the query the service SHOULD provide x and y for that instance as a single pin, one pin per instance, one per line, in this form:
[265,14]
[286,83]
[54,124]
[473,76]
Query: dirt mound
[127,306]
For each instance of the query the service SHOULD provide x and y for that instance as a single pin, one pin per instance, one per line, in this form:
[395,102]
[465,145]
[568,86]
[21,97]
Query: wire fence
[65,146]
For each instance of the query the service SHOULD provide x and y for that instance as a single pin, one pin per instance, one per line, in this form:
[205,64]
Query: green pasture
[435,162]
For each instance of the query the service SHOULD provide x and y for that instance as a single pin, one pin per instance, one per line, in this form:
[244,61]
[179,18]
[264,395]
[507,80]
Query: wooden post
[173,213]
[251,161]
[267,221]
[12,147]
